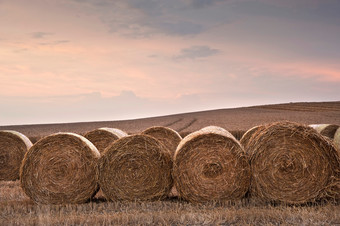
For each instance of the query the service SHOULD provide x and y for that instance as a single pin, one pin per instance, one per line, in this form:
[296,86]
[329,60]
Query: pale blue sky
[94,60]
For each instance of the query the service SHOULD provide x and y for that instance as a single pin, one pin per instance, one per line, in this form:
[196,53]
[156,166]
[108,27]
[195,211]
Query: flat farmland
[17,209]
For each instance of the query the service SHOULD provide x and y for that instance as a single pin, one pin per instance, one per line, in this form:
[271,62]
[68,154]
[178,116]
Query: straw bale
[136,167]
[13,146]
[103,137]
[337,139]
[249,135]
[291,163]
[60,169]
[210,165]
[167,136]
[318,127]
[329,131]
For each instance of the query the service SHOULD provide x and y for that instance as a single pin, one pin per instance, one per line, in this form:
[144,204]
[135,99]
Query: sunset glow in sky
[96,60]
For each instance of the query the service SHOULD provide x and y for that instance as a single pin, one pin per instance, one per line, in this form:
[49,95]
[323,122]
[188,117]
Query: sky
[98,60]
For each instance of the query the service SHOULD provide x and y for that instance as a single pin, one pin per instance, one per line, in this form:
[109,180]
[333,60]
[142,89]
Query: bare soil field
[17,209]
[236,119]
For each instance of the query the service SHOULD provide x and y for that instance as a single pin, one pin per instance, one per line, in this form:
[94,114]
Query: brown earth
[236,119]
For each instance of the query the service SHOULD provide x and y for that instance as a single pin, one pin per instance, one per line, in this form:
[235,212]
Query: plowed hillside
[230,119]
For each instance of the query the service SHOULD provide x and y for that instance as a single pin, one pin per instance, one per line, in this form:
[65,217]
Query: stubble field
[17,209]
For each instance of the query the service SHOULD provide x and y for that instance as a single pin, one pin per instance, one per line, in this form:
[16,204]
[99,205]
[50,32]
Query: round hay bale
[103,137]
[60,169]
[327,130]
[135,168]
[337,139]
[210,165]
[249,136]
[291,163]
[318,127]
[168,137]
[13,146]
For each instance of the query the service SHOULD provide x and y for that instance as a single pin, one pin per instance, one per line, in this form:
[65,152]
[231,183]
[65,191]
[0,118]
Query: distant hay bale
[318,127]
[103,137]
[247,136]
[292,163]
[210,165]
[136,167]
[13,146]
[60,169]
[337,138]
[327,130]
[167,136]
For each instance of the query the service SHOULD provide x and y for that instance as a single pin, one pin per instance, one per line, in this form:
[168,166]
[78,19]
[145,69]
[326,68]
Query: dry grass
[13,146]
[17,209]
[60,168]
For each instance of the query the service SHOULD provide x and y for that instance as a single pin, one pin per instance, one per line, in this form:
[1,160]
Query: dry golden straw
[210,165]
[103,137]
[136,168]
[337,139]
[327,130]
[292,163]
[249,135]
[168,137]
[13,146]
[59,169]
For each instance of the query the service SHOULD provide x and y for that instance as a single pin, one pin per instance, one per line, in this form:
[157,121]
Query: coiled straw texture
[13,146]
[60,169]
[136,168]
[291,163]
[103,137]
[210,165]
[167,136]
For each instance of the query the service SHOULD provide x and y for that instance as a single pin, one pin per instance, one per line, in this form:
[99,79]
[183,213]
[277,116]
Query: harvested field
[16,208]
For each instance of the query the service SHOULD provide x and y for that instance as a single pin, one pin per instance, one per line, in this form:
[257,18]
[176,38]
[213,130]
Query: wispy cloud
[203,3]
[40,34]
[58,42]
[196,52]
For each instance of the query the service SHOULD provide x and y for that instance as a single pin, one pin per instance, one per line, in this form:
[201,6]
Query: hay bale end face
[292,163]
[210,165]
[104,137]
[167,136]
[136,167]
[60,169]
[13,146]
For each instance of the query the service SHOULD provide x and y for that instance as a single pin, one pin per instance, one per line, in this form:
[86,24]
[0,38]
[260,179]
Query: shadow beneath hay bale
[238,133]
[35,139]
[184,134]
